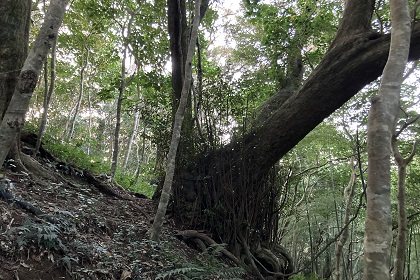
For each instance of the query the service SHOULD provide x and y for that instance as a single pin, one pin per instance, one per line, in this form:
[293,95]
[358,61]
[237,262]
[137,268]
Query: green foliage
[42,234]
[303,277]
[146,182]
[72,154]
[77,157]
[206,266]
[293,28]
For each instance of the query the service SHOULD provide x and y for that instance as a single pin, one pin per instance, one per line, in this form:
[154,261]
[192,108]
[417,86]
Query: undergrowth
[206,265]
[74,154]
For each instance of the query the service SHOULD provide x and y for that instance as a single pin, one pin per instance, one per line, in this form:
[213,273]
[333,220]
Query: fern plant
[207,265]
[44,235]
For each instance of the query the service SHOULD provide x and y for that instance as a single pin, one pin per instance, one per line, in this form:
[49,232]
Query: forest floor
[65,226]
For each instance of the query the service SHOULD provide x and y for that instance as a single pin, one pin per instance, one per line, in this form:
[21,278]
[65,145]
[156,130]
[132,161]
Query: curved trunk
[231,191]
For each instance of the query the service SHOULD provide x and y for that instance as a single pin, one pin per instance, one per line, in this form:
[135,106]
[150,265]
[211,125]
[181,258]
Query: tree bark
[179,36]
[47,97]
[132,136]
[176,133]
[381,126]
[14,117]
[399,260]
[80,96]
[14,35]
[348,199]
[224,191]
[116,150]
[14,40]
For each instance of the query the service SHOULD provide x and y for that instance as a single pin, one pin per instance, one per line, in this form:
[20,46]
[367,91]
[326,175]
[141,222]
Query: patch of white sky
[228,11]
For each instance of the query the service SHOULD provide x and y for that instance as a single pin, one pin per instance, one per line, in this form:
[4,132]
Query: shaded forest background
[108,95]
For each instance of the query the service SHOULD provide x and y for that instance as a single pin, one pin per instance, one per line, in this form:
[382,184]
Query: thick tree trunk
[14,117]
[14,39]
[15,21]
[381,126]
[229,191]
[353,61]
[179,36]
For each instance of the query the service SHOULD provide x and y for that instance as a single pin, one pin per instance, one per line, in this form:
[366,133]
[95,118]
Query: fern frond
[179,271]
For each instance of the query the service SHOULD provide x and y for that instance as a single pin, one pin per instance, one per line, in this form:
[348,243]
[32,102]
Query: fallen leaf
[25,265]
[125,274]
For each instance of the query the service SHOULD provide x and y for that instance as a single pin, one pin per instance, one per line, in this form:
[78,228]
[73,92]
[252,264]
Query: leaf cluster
[207,265]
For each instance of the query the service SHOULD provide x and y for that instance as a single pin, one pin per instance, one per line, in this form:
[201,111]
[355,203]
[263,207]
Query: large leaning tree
[231,192]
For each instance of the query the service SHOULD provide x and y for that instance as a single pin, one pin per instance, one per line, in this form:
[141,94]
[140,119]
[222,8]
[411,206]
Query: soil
[80,231]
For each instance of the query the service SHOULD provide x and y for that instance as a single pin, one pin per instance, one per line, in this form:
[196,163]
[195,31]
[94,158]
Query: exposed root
[4,194]
[36,168]
[272,261]
[188,234]
[251,258]
[266,255]
[106,188]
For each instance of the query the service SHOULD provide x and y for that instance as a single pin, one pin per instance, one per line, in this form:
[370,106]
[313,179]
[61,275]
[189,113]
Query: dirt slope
[64,227]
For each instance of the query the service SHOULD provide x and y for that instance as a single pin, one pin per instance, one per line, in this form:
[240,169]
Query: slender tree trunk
[116,150]
[132,136]
[14,117]
[140,157]
[348,198]
[399,260]
[116,146]
[89,123]
[100,132]
[381,126]
[176,134]
[47,97]
[80,97]
[311,243]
